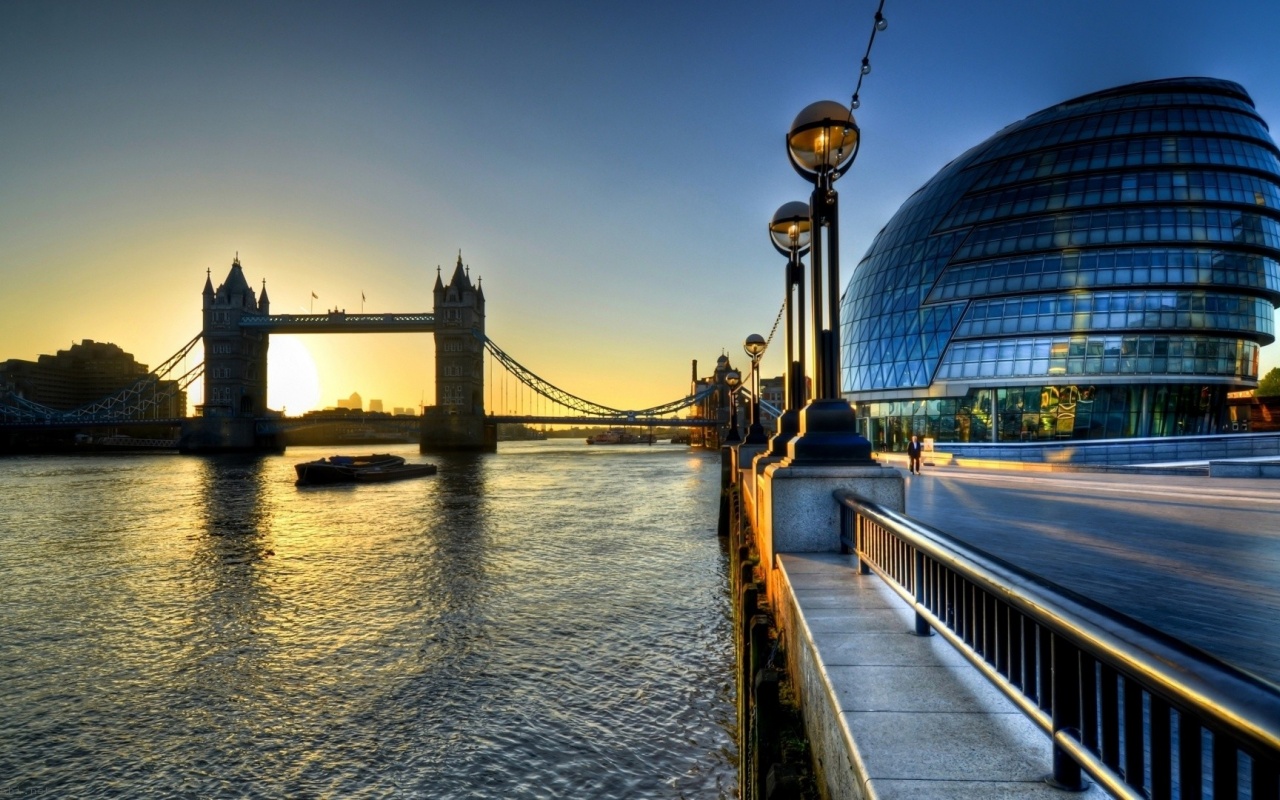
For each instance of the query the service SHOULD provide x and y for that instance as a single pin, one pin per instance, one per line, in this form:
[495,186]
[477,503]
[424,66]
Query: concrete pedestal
[799,514]
[753,481]
[746,478]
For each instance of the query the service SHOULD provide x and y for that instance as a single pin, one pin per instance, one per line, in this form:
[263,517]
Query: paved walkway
[920,722]
[1196,557]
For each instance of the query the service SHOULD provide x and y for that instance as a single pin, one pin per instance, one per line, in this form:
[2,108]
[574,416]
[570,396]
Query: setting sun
[292,382]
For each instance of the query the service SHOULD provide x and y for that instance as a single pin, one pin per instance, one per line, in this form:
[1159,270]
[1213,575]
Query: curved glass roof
[1141,217]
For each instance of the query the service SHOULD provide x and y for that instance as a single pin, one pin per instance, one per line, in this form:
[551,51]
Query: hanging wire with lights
[880,24]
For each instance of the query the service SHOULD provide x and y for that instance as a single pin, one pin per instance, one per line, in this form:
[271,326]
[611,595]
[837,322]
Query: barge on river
[373,468]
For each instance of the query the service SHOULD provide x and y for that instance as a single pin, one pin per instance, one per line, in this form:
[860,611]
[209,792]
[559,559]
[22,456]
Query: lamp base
[829,435]
[788,429]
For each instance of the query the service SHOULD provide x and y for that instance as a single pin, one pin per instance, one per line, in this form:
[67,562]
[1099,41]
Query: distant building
[83,374]
[772,395]
[375,405]
[354,402]
[771,391]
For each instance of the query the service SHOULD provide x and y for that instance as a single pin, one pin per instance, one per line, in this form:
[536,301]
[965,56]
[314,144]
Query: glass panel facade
[1083,269]
[1131,232]
[1115,189]
[1101,311]
[1101,355]
[1182,151]
[1050,412]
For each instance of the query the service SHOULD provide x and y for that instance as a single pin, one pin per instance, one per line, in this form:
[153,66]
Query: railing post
[1190,757]
[848,542]
[1065,672]
[863,567]
[922,626]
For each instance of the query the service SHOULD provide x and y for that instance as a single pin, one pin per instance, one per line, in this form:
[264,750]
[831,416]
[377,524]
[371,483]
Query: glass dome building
[1105,268]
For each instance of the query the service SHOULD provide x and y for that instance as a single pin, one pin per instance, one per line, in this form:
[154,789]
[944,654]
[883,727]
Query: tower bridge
[236,325]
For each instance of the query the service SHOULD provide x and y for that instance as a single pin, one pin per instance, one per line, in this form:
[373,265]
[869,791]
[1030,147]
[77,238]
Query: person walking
[914,450]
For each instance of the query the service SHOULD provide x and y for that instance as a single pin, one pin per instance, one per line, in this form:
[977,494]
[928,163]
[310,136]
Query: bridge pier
[443,432]
[205,435]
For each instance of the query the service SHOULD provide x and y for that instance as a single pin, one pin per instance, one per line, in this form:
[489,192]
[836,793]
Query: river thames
[551,621]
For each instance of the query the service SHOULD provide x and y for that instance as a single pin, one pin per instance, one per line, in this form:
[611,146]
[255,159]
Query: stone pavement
[894,715]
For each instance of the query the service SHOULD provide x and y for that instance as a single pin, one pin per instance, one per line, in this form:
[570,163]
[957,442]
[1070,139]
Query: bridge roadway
[1196,557]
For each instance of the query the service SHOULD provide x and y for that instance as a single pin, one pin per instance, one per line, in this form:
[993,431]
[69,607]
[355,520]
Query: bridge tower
[235,358]
[457,420]
[235,371]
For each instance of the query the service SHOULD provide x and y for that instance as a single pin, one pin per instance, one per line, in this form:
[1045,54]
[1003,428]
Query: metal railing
[1142,713]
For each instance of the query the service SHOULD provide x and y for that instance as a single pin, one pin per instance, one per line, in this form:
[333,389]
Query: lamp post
[789,231]
[733,379]
[822,144]
[754,347]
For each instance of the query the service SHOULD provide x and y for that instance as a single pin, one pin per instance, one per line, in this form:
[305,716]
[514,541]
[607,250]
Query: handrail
[1119,699]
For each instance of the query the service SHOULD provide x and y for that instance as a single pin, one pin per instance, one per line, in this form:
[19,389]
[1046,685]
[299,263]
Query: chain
[775,326]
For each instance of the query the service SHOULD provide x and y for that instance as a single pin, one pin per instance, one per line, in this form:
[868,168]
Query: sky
[607,169]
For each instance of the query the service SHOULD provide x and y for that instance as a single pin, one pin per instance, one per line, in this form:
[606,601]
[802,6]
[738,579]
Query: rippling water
[547,622]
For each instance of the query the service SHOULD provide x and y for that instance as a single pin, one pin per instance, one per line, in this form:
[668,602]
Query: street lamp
[733,379]
[822,144]
[789,231]
[754,347]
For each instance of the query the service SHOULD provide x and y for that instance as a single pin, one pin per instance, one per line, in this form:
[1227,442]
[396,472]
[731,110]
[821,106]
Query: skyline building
[82,374]
[1104,268]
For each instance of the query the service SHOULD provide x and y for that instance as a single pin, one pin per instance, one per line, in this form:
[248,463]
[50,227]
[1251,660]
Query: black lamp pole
[754,347]
[822,145]
[733,380]
[789,232]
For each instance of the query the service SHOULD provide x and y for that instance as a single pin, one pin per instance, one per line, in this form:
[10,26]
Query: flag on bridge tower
[315,296]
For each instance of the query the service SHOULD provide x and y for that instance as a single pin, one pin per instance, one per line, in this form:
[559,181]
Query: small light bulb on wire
[855,103]
[881,22]
[866,66]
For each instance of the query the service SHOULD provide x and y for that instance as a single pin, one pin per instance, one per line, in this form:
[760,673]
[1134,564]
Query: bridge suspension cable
[580,405]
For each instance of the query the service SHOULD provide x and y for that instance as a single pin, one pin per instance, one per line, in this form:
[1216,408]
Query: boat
[394,473]
[343,469]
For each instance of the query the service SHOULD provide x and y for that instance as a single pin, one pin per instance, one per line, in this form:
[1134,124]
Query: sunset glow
[345,153]
[293,385]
